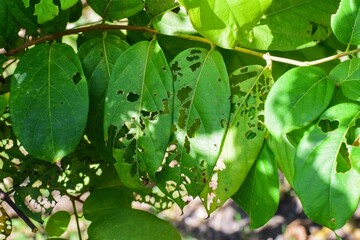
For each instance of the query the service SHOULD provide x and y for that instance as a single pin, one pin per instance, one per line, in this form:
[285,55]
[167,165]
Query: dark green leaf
[116,9]
[297,98]
[98,56]
[23,15]
[155,7]
[346,22]
[105,201]
[57,223]
[290,25]
[225,22]
[259,195]
[8,26]
[4,100]
[325,179]
[347,77]
[138,111]
[125,224]
[245,135]
[49,101]
[201,115]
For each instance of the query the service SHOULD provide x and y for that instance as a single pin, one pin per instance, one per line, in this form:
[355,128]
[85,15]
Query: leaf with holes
[291,25]
[138,112]
[98,56]
[347,76]
[49,101]
[346,22]
[126,223]
[245,135]
[201,113]
[259,195]
[5,223]
[325,179]
[297,98]
[116,9]
[224,22]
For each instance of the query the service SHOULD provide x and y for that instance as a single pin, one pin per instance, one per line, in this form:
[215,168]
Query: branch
[100,27]
[7,199]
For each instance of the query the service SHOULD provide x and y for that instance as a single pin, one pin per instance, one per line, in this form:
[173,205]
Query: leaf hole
[195,126]
[132,97]
[195,51]
[120,92]
[192,58]
[328,126]
[195,66]
[343,161]
[250,135]
[76,78]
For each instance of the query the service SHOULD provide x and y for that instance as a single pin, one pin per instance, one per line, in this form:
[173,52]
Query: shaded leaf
[57,223]
[245,135]
[201,114]
[125,224]
[225,22]
[155,7]
[116,9]
[98,56]
[259,195]
[347,76]
[325,179]
[291,25]
[49,101]
[138,112]
[297,98]
[4,100]
[8,27]
[346,22]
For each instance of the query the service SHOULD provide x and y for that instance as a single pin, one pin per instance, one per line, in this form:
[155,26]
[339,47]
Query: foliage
[166,101]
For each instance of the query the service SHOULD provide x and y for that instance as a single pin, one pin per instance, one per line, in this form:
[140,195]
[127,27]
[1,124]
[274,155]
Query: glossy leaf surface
[325,179]
[245,135]
[290,25]
[201,112]
[347,76]
[116,9]
[49,104]
[224,22]
[126,223]
[138,112]
[297,98]
[346,22]
[259,195]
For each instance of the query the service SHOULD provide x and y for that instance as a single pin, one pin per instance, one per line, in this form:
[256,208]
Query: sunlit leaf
[347,76]
[65,4]
[346,22]
[325,179]
[49,101]
[201,113]
[297,98]
[224,22]
[245,135]
[46,10]
[259,195]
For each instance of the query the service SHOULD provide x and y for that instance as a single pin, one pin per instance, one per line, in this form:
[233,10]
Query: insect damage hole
[328,126]
[76,78]
[132,97]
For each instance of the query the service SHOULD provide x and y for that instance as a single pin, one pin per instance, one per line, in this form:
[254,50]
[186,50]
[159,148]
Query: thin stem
[6,198]
[99,27]
[76,218]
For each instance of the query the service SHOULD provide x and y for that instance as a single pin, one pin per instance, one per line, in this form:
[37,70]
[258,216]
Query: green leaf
[4,100]
[346,22]
[297,98]
[201,112]
[138,112]
[225,22]
[57,223]
[291,25]
[171,23]
[46,10]
[8,27]
[245,135]
[259,195]
[116,9]
[155,7]
[325,180]
[66,4]
[125,224]
[23,15]
[347,76]
[106,200]
[98,56]
[49,101]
